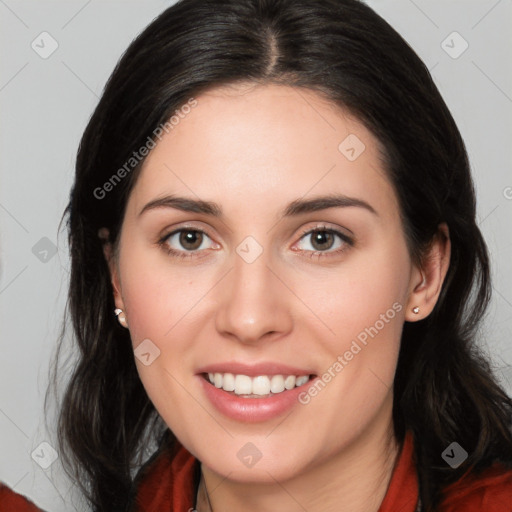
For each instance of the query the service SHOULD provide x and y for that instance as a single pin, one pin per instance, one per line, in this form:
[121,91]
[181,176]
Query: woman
[277,275]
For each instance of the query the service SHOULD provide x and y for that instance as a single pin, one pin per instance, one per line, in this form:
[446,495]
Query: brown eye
[186,240]
[322,240]
[190,240]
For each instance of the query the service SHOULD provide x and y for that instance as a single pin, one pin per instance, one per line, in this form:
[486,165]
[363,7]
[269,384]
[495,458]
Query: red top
[167,482]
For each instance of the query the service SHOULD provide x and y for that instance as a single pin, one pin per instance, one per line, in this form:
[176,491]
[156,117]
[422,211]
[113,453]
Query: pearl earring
[121,317]
[416,310]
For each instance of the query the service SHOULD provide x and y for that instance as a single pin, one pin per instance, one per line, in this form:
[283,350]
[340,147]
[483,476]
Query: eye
[183,241]
[325,240]
[188,242]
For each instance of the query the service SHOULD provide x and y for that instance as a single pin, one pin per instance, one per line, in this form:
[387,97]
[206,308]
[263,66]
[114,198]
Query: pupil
[190,237]
[321,237]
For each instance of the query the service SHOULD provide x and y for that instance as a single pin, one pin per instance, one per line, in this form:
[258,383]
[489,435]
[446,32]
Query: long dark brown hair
[444,388]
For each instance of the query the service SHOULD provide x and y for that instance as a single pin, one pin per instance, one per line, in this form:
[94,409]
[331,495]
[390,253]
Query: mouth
[255,392]
[260,386]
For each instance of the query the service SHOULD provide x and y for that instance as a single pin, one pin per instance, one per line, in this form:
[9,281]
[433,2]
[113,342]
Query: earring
[121,317]
[416,310]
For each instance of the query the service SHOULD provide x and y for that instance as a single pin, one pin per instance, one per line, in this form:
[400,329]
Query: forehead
[264,144]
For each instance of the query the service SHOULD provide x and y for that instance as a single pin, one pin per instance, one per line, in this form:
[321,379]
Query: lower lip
[252,409]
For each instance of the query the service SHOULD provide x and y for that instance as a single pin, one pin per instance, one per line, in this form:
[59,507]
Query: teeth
[289,382]
[277,384]
[301,380]
[228,382]
[243,384]
[262,385]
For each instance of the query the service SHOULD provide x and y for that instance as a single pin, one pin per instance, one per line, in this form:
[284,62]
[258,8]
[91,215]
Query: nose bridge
[253,300]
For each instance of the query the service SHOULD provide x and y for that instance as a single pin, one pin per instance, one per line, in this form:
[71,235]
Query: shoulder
[488,491]
[12,501]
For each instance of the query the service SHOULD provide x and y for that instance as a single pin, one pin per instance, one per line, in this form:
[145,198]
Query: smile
[261,386]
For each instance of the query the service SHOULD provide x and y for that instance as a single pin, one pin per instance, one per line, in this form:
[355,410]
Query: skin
[253,150]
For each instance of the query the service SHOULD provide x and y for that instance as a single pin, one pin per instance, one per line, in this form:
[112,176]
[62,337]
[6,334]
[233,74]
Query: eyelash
[312,254]
[347,242]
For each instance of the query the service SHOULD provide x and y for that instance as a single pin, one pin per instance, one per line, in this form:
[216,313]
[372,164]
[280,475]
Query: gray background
[45,105]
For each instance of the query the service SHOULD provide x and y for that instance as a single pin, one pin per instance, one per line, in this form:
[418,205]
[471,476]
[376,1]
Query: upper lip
[254,370]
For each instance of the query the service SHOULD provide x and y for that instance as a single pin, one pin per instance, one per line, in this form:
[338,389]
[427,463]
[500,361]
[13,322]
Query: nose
[254,304]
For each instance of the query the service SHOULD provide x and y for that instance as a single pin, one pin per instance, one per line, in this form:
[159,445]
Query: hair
[444,387]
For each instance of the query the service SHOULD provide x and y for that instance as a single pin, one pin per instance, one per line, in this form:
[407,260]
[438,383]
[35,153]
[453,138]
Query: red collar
[170,484]
[402,493]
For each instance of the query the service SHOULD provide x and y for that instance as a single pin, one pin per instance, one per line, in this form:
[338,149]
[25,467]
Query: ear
[427,279]
[108,252]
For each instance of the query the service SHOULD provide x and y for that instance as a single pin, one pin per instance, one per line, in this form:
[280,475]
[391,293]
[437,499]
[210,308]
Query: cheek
[363,305]
[146,306]
[355,295]
[156,294]
[158,301]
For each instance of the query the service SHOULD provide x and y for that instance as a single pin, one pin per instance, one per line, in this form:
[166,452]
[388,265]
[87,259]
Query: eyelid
[326,227]
[346,239]
[167,232]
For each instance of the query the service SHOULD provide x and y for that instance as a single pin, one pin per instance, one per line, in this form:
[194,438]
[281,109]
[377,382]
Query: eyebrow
[297,207]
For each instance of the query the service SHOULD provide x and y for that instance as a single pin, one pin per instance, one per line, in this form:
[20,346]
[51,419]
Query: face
[271,282]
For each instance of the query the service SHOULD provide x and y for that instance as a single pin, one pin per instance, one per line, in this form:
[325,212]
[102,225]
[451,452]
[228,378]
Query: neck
[355,480]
